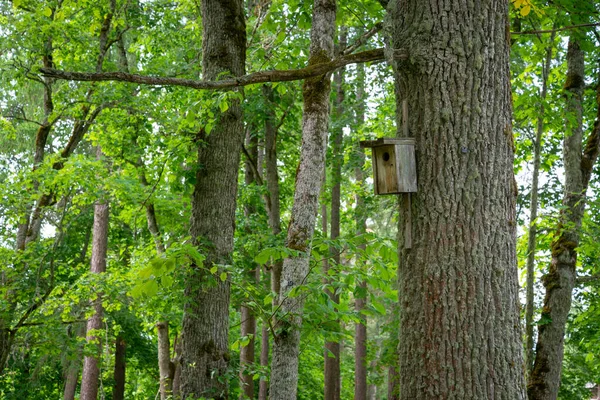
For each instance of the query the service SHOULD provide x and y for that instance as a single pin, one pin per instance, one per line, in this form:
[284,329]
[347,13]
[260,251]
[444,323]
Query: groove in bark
[205,347]
[459,310]
[284,366]
[559,282]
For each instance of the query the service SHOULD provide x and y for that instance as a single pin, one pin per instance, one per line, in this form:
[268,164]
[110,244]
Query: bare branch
[361,40]
[565,28]
[311,71]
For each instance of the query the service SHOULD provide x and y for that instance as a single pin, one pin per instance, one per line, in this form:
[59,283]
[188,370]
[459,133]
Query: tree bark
[532,238]
[544,381]
[459,309]
[284,366]
[119,371]
[205,334]
[91,369]
[360,298]
[164,359]
[263,384]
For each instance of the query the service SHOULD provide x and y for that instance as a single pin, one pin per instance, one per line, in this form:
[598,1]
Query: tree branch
[227,84]
[565,28]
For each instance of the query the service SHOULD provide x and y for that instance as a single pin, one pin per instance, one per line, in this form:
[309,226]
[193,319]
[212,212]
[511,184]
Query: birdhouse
[394,165]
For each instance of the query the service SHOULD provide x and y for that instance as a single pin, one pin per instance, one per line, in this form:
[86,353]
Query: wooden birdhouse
[394,165]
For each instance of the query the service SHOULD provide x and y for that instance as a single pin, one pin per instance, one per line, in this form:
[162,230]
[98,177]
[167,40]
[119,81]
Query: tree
[459,328]
[579,161]
[315,119]
[205,347]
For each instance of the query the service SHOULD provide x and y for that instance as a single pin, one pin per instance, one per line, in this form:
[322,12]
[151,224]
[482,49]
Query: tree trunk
[164,359]
[264,362]
[73,367]
[560,280]
[205,334]
[91,369]
[248,319]
[532,239]
[284,366]
[459,309]
[360,297]
[393,383]
[119,371]
[332,376]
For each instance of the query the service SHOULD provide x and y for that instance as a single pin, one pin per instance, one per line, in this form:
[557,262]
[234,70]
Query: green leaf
[214,269]
[47,11]
[223,276]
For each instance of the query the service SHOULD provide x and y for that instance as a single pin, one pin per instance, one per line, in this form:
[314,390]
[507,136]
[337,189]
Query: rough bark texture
[119,371]
[532,239]
[332,377]
[91,369]
[360,302]
[459,310]
[164,359]
[560,280]
[284,366]
[205,350]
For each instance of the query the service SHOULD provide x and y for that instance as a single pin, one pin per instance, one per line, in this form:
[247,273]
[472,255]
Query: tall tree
[458,288]
[559,281]
[315,119]
[360,302]
[205,334]
[533,223]
[91,370]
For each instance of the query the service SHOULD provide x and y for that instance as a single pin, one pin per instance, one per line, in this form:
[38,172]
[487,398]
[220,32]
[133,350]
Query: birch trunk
[205,334]
[284,366]
[459,309]
[544,381]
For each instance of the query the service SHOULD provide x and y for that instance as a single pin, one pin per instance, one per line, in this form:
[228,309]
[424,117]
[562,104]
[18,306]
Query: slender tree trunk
[532,239]
[164,359]
[459,309]
[248,323]
[360,297]
[559,282]
[284,366]
[119,371]
[205,334]
[393,383]
[332,348]
[91,369]
[273,207]
[73,366]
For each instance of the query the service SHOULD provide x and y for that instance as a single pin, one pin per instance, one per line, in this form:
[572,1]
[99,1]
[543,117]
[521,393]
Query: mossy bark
[315,119]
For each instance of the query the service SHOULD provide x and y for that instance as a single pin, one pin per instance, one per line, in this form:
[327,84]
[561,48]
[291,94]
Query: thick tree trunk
[119,371]
[284,366]
[164,359]
[332,376]
[532,239]
[205,334]
[560,280]
[360,302]
[91,369]
[71,379]
[459,310]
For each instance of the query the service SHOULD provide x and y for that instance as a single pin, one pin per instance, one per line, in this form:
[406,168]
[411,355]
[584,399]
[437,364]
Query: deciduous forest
[268,199]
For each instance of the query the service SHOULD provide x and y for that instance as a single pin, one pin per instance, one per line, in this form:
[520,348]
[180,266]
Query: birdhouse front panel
[385,168]
[394,165]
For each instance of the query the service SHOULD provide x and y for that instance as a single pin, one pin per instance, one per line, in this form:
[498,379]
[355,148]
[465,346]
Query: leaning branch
[227,84]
